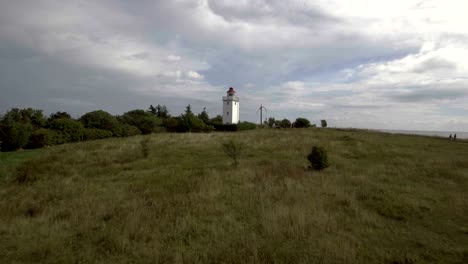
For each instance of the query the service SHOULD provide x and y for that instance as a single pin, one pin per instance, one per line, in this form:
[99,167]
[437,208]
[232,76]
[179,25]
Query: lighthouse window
[227,103]
[227,113]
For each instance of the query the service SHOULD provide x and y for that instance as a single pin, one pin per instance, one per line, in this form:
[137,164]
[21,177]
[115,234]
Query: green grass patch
[175,198]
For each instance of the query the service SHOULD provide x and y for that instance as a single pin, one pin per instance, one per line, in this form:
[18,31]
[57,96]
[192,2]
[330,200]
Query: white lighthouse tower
[230,107]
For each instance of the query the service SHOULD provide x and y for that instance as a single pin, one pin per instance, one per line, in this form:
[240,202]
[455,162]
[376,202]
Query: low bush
[14,136]
[146,122]
[43,137]
[94,133]
[233,150]
[70,130]
[246,126]
[126,130]
[225,127]
[318,158]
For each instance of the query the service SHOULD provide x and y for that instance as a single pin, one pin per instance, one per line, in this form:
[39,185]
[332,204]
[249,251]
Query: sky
[399,64]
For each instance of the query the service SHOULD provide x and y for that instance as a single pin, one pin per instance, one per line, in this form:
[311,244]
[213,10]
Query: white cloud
[194,75]
[173,58]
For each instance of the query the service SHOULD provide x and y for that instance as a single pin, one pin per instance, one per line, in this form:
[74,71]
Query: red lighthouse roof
[231,91]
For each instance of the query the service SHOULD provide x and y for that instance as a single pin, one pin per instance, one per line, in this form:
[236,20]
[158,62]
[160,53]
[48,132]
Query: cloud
[173,58]
[194,75]
[398,64]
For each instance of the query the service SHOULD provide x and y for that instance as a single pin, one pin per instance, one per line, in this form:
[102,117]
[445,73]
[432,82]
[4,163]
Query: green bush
[301,122]
[126,130]
[170,124]
[43,137]
[318,158]
[246,126]
[285,123]
[94,133]
[70,130]
[146,122]
[101,120]
[226,127]
[233,150]
[323,123]
[190,123]
[15,135]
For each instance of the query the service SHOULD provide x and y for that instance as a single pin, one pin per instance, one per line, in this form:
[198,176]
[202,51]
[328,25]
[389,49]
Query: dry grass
[384,199]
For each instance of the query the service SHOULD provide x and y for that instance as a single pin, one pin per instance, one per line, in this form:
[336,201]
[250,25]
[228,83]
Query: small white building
[230,107]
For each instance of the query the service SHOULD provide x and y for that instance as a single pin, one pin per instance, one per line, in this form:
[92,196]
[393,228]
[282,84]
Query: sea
[461,135]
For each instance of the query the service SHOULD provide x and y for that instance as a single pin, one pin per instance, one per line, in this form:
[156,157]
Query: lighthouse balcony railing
[229,98]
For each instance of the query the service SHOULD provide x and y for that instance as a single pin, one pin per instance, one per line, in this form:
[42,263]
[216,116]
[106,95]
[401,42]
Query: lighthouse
[230,107]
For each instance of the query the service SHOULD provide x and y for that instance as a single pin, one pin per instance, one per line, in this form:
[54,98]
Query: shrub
[101,120]
[226,127]
[301,122]
[145,149]
[246,126]
[218,120]
[94,133]
[233,150]
[323,123]
[188,122]
[70,130]
[58,115]
[146,122]
[170,124]
[285,123]
[318,158]
[15,135]
[126,130]
[43,137]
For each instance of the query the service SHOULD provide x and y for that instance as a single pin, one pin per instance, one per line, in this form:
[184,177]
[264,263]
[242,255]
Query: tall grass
[384,199]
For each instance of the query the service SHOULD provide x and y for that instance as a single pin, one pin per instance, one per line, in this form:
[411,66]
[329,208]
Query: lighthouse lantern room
[230,107]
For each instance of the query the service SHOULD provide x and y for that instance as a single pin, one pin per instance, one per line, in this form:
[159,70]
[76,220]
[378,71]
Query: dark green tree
[159,111]
[69,130]
[58,115]
[218,120]
[14,135]
[318,158]
[152,110]
[323,122]
[204,116]
[144,121]
[101,120]
[285,123]
[162,111]
[301,122]
[271,122]
[188,122]
[17,125]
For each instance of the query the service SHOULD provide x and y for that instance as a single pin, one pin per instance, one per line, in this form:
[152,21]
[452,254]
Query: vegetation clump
[301,122]
[145,149]
[233,150]
[318,158]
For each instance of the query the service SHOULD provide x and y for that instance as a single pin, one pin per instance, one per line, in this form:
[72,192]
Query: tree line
[30,128]
[285,123]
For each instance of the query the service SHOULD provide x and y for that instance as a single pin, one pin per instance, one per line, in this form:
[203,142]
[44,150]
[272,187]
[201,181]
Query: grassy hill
[384,199]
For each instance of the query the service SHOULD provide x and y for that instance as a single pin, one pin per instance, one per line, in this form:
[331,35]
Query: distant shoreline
[460,135]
